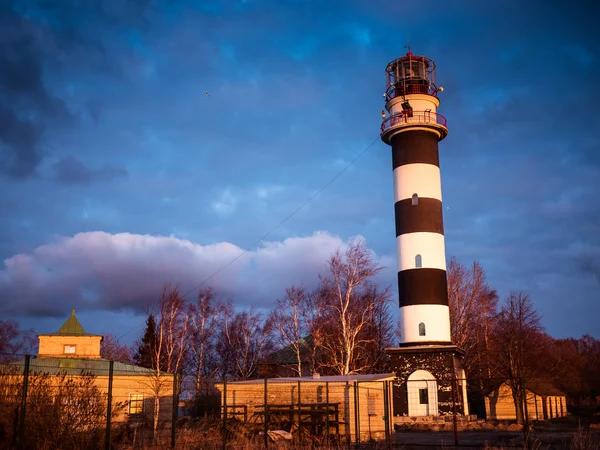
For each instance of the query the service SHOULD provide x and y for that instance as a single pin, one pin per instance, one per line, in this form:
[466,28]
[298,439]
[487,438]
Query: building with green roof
[72,352]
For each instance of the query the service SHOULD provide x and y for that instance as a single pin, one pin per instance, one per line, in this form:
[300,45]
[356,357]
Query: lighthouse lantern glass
[410,74]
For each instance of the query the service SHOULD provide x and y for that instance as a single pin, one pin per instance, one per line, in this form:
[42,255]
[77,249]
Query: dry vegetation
[63,412]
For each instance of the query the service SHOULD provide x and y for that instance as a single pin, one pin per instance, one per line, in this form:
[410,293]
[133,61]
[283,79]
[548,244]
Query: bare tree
[244,339]
[472,306]
[314,316]
[518,347]
[349,299]
[169,348]
[112,349]
[172,325]
[380,329]
[289,324]
[577,369]
[14,343]
[204,316]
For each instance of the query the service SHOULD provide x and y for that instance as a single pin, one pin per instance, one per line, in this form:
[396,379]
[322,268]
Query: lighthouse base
[430,380]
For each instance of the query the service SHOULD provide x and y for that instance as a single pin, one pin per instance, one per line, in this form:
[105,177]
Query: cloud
[70,170]
[28,105]
[225,203]
[116,272]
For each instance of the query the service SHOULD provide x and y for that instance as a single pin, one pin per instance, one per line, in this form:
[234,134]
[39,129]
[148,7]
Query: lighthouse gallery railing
[415,117]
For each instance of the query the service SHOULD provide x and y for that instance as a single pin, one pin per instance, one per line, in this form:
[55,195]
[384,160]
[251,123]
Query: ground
[565,433]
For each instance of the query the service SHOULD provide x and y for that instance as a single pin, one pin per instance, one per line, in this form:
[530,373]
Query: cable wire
[311,198]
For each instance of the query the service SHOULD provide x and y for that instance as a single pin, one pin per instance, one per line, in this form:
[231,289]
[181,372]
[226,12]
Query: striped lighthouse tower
[425,355]
[414,129]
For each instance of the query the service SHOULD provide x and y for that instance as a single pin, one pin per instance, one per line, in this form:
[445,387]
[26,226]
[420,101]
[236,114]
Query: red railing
[416,117]
[407,89]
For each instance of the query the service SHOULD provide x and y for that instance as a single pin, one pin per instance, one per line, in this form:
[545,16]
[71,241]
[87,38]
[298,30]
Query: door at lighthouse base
[421,388]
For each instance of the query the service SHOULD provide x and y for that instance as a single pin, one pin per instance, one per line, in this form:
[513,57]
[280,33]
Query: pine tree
[144,355]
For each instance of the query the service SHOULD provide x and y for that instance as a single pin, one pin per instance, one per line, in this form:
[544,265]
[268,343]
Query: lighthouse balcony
[422,87]
[406,120]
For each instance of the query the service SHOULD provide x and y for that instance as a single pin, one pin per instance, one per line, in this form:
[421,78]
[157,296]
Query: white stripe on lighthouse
[429,245]
[421,179]
[436,319]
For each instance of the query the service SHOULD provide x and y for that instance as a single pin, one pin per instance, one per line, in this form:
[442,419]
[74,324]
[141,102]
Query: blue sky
[118,173]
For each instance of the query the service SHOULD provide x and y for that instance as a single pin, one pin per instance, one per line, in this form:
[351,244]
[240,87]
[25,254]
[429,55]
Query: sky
[151,142]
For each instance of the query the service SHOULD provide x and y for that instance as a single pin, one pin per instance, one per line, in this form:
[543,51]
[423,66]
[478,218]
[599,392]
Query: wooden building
[350,408]
[284,363]
[71,353]
[544,402]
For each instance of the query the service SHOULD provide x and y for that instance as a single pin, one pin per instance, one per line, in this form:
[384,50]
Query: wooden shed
[544,401]
[348,407]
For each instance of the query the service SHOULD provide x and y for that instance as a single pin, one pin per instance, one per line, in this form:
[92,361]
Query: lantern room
[410,74]
[411,98]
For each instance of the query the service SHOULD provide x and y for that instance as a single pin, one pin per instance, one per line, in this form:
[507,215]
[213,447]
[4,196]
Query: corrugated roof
[77,366]
[322,379]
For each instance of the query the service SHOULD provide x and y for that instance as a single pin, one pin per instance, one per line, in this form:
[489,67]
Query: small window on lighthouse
[421,329]
[415,199]
[418,261]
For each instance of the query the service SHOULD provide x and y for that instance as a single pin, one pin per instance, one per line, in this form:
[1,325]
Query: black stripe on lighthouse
[424,217]
[423,285]
[413,147]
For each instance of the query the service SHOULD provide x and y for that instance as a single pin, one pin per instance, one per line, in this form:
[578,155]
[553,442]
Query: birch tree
[289,324]
[204,317]
[349,298]
[379,330]
[244,340]
[169,349]
[314,316]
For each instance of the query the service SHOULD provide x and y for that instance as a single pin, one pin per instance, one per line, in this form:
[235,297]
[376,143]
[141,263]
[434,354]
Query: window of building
[415,199]
[418,261]
[421,329]
[69,350]
[371,404]
[423,396]
[136,404]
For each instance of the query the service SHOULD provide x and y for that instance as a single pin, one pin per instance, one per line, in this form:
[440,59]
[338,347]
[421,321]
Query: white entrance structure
[422,394]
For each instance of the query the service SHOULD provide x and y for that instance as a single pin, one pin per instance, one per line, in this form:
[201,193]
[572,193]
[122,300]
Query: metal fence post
[111,365]
[299,414]
[525,413]
[266,418]
[356,413]
[175,411]
[21,443]
[327,416]
[385,413]
[224,411]
[454,410]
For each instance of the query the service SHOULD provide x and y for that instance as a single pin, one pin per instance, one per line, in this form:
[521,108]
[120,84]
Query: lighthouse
[426,363]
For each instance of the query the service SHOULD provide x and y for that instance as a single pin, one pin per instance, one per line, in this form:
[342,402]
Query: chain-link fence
[93,403]
[84,403]
[329,411]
